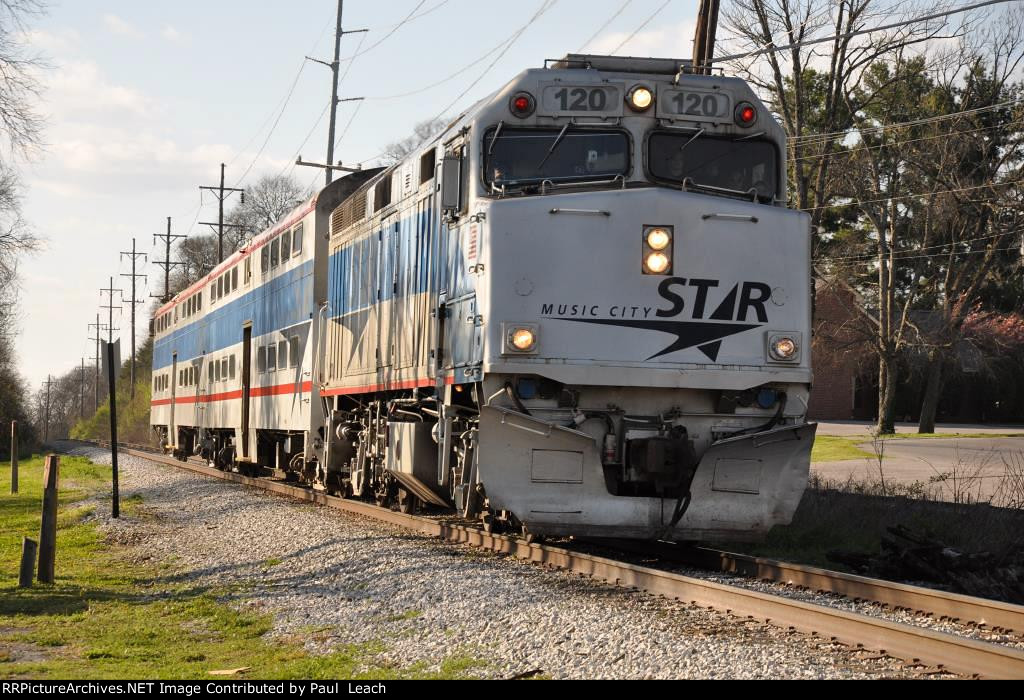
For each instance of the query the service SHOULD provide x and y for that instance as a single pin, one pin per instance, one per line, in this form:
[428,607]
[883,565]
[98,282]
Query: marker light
[522,104]
[657,263]
[745,114]
[640,98]
[523,339]
[658,239]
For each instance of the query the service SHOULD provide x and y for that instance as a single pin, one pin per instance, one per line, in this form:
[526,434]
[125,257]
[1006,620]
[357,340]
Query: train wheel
[407,502]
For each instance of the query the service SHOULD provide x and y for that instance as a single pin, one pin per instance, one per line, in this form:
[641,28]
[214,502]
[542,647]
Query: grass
[854,515]
[828,448]
[109,618]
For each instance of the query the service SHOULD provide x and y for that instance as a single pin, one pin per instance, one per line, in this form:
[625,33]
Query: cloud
[673,41]
[120,27]
[76,88]
[172,35]
[61,41]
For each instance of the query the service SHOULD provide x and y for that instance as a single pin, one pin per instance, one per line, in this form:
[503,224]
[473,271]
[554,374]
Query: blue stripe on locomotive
[355,271]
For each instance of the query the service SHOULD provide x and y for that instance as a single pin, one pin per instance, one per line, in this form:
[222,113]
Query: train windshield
[736,165]
[514,157]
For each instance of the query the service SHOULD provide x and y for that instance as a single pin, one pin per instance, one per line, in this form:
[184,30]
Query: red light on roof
[522,104]
[746,115]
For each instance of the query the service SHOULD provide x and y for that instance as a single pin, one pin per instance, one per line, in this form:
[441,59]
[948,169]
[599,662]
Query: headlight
[657,263]
[658,239]
[784,347]
[657,250]
[640,98]
[523,339]
[520,338]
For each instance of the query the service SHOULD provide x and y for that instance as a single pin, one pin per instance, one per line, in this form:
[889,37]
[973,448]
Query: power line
[865,256]
[912,196]
[395,28]
[640,28]
[894,25]
[932,255]
[545,6]
[874,129]
[622,8]
[892,144]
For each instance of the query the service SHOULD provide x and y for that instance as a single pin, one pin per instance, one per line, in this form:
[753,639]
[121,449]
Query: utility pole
[221,193]
[335,66]
[166,263]
[81,392]
[704,39]
[99,339]
[133,302]
[46,426]
[109,291]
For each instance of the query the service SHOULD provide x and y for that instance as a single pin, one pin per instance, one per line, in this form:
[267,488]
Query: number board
[701,105]
[602,100]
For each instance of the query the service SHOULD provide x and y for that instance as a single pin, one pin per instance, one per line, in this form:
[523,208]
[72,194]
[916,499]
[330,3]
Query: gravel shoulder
[331,579]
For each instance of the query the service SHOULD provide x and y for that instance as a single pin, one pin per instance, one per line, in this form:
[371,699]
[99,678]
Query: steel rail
[912,644]
[992,614]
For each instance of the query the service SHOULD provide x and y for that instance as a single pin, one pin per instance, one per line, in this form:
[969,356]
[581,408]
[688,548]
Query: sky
[143,101]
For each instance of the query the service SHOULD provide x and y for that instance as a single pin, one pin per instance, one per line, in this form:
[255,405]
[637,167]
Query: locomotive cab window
[515,157]
[726,164]
[427,161]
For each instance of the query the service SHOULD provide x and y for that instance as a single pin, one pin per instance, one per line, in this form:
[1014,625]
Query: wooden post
[28,562]
[14,457]
[48,531]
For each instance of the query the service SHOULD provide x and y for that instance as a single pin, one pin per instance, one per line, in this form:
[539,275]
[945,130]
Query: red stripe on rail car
[278,390]
[387,386]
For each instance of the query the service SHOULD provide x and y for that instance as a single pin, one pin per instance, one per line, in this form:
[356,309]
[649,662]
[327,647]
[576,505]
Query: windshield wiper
[558,140]
[689,184]
[497,132]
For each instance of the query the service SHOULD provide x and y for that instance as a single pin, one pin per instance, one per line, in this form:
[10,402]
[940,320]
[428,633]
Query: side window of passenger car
[264,260]
[286,245]
[261,359]
[297,240]
[275,250]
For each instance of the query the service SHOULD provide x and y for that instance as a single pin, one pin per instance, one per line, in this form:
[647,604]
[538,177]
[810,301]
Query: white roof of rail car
[293,217]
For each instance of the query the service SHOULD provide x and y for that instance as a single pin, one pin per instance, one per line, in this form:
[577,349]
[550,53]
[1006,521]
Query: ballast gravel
[331,579]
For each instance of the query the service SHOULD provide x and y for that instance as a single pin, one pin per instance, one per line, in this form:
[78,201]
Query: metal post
[112,374]
[48,530]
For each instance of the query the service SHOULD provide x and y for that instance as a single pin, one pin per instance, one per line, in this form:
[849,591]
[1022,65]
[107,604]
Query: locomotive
[582,309]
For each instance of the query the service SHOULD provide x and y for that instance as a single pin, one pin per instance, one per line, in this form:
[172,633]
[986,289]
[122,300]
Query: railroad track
[914,645]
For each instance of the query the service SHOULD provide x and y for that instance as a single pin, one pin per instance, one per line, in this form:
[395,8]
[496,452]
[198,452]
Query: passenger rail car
[583,309]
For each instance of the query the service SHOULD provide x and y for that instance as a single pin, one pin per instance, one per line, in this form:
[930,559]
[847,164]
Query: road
[977,468]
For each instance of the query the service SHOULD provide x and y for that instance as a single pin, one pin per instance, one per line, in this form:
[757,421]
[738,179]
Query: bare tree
[422,132]
[266,203]
[19,88]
